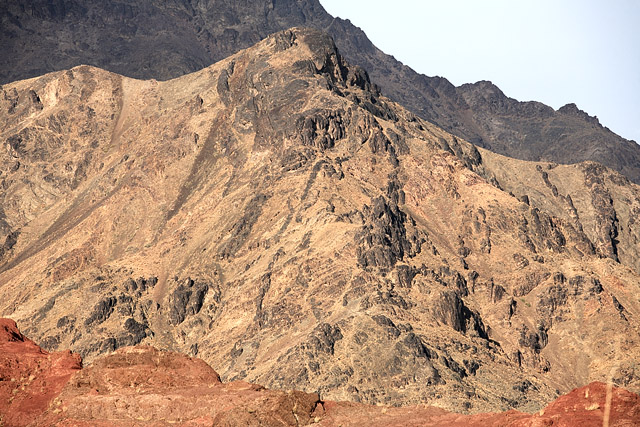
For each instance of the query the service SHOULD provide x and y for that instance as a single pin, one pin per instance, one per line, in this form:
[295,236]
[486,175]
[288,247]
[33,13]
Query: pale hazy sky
[553,51]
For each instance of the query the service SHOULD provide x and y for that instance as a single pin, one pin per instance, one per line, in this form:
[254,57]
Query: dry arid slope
[162,40]
[276,216]
[142,386]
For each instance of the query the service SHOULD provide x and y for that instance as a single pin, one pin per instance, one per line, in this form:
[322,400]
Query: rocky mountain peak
[486,85]
[164,40]
[573,110]
[277,216]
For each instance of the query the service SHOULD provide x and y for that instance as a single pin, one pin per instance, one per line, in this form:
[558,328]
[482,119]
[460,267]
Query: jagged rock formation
[141,385]
[151,40]
[278,217]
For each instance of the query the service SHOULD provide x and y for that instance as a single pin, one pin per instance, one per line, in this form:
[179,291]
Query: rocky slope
[141,385]
[147,39]
[276,216]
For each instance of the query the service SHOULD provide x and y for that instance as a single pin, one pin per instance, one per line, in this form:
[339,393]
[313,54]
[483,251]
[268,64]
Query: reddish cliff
[29,376]
[142,385]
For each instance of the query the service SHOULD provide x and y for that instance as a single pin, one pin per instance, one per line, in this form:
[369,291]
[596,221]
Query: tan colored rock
[276,216]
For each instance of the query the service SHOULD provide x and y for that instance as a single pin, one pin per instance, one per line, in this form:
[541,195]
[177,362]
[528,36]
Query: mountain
[276,216]
[136,385]
[163,40]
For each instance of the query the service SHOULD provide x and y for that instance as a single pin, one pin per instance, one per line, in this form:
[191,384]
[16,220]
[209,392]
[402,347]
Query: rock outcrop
[278,217]
[30,378]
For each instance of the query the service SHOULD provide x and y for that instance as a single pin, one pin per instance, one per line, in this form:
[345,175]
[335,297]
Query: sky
[557,52]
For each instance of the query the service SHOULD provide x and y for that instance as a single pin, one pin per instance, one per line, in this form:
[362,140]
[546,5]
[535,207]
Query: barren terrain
[276,216]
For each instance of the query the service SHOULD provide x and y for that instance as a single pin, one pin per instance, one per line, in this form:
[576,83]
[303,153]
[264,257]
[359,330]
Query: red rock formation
[137,385]
[29,376]
[585,406]
[142,385]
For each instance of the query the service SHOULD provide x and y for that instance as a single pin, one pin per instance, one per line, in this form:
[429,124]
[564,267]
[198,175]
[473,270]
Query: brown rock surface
[276,216]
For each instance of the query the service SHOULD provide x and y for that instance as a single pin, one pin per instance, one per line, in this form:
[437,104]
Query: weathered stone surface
[384,238]
[101,311]
[261,215]
[186,300]
[451,311]
[30,378]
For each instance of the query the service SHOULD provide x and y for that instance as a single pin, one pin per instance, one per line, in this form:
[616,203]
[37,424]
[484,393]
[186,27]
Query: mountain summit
[162,40]
[278,217]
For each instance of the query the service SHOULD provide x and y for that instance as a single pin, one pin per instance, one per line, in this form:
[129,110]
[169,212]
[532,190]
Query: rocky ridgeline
[149,40]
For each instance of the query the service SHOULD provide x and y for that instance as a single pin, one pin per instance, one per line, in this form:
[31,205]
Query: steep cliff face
[163,40]
[278,217]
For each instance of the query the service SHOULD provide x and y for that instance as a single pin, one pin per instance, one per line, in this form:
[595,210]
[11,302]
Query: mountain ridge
[278,217]
[148,40]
